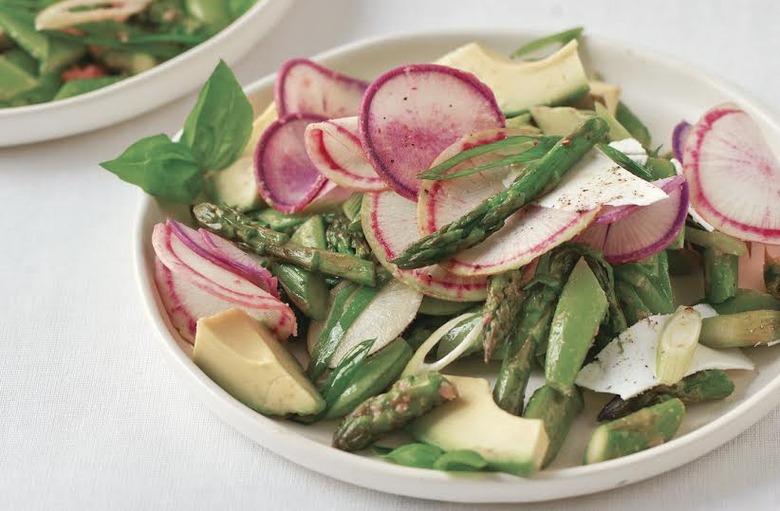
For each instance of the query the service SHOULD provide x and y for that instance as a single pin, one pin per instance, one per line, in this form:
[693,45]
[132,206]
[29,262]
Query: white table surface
[92,416]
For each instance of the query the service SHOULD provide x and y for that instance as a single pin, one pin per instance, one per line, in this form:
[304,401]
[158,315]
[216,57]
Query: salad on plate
[445,264]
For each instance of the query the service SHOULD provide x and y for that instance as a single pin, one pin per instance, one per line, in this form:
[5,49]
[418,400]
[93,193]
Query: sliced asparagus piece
[633,124]
[715,239]
[501,308]
[721,271]
[741,330]
[558,412]
[233,225]
[747,300]
[408,398]
[477,225]
[702,386]
[512,379]
[344,240]
[648,427]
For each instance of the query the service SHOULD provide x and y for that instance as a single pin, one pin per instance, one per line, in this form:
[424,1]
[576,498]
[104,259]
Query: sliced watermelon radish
[527,234]
[287,178]
[734,175]
[334,148]
[390,225]
[328,199]
[411,113]
[305,87]
[679,135]
[223,253]
[204,288]
[172,291]
[646,230]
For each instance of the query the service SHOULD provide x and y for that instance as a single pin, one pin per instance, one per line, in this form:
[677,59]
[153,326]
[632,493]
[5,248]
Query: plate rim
[363,471]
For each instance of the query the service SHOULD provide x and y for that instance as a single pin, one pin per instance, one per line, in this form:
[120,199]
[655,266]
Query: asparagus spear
[233,225]
[512,379]
[342,239]
[488,217]
[741,330]
[557,411]
[644,288]
[715,239]
[408,398]
[276,220]
[636,432]
[633,124]
[721,272]
[578,314]
[501,308]
[772,276]
[747,300]
[702,386]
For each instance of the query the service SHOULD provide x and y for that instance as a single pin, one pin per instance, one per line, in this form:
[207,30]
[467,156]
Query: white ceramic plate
[144,91]
[661,91]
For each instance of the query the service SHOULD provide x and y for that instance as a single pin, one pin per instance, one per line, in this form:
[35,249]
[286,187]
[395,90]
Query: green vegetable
[343,374]
[625,162]
[416,455]
[457,334]
[218,127]
[701,386]
[340,238]
[408,398]
[436,307]
[215,14]
[278,221]
[75,87]
[772,276]
[721,273]
[161,167]
[235,226]
[616,130]
[14,79]
[741,330]
[636,432]
[501,308]
[560,38]
[644,288]
[576,321]
[716,240]
[633,124]
[676,345]
[461,460]
[747,300]
[474,227]
[660,168]
[558,412]
[512,379]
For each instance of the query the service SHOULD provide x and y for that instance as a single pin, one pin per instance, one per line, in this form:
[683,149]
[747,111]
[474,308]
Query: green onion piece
[676,345]
[560,38]
[624,161]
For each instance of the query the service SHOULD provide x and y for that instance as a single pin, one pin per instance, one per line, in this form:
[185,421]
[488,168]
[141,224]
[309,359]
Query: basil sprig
[215,134]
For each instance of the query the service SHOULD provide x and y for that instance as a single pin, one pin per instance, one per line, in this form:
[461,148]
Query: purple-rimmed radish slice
[223,253]
[204,288]
[526,235]
[390,225]
[334,148]
[305,87]
[287,178]
[172,292]
[646,230]
[410,114]
[734,175]
[679,135]
[328,199]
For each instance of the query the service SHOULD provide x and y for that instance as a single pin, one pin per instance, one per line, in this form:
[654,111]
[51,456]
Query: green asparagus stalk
[371,376]
[772,276]
[512,379]
[636,432]
[747,300]
[489,216]
[650,281]
[715,239]
[701,386]
[277,221]
[501,308]
[741,330]
[721,272]
[578,314]
[633,124]
[660,168]
[408,398]
[233,225]
[557,411]
[632,306]
[342,239]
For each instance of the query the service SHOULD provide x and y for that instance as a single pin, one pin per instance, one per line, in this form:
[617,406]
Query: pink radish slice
[219,289]
[412,113]
[170,294]
[646,231]
[287,178]
[334,148]
[305,87]
[611,214]
[329,198]
[390,224]
[680,133]
[223,253]
[526,235]
[734,175]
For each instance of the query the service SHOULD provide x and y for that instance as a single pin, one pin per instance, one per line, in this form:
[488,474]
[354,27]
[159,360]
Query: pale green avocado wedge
[474,422]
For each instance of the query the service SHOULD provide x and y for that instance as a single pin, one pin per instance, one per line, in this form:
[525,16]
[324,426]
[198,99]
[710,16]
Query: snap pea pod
[557,411]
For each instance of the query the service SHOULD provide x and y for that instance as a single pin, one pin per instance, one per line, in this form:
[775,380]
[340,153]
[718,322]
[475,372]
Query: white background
[92,417]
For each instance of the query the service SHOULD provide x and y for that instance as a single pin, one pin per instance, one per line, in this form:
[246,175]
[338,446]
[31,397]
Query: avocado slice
[246,360]
[559,121]
[555,80]
[473,421]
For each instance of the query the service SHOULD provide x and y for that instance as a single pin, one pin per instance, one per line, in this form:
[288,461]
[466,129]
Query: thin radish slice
[646,231]
[171,292]
[411,113]
[217,288]
[334,148]
[679,135]
[611,214]
[734,175]
[526,235]
[390,225]
[305,87]
[328,199]
[287,178]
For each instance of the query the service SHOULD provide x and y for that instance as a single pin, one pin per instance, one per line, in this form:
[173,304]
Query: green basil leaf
[163,168]
[460,461]
[415,455]
[219,126]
